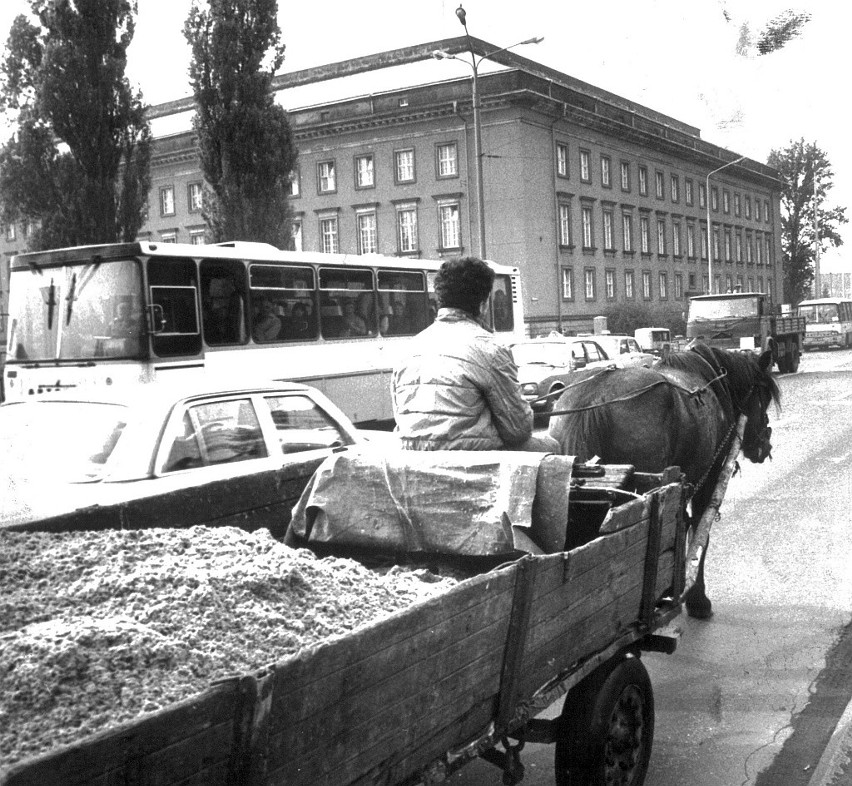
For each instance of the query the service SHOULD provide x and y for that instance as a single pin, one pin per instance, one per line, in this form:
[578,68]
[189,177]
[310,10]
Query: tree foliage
[625,318]
[800,165]
[244,137]
[78,164]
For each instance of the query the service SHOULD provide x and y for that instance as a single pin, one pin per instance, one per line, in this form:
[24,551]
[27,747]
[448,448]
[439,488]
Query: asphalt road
[752,695]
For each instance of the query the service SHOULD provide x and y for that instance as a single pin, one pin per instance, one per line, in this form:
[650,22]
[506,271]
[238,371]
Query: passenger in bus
[458,387]
[353,323]
[365,308]
[399,322]
[301,322]
[267,323]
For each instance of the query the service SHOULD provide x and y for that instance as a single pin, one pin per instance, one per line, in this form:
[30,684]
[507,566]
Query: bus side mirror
[156,318]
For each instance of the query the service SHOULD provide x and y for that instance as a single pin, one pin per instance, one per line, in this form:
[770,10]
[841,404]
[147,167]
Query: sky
[675,57]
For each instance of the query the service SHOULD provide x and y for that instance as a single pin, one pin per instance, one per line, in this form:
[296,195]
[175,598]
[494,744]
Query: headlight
[529,389]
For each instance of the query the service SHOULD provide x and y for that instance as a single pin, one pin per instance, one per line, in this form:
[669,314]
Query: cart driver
[458,387]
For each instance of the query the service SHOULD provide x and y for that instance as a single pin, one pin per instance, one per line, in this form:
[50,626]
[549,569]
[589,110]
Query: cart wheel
[607,728]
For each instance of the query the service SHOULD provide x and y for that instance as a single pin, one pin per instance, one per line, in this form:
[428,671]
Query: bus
[829,322]
[140,312]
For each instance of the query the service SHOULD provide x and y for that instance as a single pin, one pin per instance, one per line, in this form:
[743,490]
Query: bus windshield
[76,312]
[820,312]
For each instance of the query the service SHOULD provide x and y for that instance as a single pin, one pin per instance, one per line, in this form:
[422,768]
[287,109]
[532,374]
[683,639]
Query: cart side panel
[586,598]
[410,686]
[193,742]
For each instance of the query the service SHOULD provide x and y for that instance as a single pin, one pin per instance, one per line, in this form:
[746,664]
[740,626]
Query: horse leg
[697,603]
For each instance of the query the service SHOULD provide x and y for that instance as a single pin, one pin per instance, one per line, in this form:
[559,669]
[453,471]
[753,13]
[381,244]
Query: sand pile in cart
[99,627]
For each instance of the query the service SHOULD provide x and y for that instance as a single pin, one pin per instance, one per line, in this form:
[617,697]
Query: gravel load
[97,628]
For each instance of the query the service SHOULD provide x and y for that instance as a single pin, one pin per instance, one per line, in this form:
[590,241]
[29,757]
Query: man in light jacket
[458,389]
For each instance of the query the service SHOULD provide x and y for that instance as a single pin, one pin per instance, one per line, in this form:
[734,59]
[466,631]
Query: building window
[661,236]
[404,168]
[168,236]
[293,185]
[702,195]
[606,172]
[714,198]
[406,223]
[678,286]
[367,235]
[749,249]
[690,241]
[298,244]
[564,225]
[660,185]
[645,234]
[607,230]
[588,234]
[643,180]
[726,201]
[627,231]
[704,242]
[737,205]
[326,182]
[664,285]
[738,247]
[675,188]
[11,233]
[328,235]
[589,283]
[448,218]
[687,191]
[676,238]
[766,211]
[768,250]
[625,176]
[365,176]
[758,245]
[567,283]
[561,159]
[195,197]
[716,254]
[728,249]
[609,282]
[628,284]
[448,160]
[729,283]
[646,284]
[748,207]
[585,166]
[197,237]
[167,201]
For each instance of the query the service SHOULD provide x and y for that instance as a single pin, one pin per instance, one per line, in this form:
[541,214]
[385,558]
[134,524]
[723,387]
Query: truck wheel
[607,727]
[794,356]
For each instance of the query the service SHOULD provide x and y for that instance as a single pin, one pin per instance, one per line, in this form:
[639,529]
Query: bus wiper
[70,298]
[51,304]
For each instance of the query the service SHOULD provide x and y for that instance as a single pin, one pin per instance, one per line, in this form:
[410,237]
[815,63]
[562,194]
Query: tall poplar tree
[78,163]
[801,165]
[244,137]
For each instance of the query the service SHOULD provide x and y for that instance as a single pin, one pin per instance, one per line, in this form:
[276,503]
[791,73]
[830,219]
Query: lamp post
[709,228]
[477,122]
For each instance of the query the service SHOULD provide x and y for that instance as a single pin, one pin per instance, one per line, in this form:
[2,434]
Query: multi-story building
[598,200]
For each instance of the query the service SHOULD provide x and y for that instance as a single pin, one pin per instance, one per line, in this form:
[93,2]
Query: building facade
[599,201]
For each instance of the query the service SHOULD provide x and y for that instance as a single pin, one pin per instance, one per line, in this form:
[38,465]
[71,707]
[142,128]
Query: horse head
[763,390]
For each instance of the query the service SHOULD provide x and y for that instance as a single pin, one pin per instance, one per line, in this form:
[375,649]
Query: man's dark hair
[464,283]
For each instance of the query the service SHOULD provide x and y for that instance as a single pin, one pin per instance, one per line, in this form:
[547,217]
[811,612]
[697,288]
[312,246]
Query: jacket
[458,390]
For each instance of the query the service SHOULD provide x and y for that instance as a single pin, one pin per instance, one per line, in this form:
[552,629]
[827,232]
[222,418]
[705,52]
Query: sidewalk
[835,764]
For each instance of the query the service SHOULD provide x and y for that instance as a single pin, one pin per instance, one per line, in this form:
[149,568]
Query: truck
[747,322]
[411,698]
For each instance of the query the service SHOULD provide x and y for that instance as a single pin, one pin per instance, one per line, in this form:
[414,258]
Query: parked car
[545,366]
[624,351]
[166,454]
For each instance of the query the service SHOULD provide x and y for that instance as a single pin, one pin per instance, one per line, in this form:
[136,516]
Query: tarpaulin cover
[470,503]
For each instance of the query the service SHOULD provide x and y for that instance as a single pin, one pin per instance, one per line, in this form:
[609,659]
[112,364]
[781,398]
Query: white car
[624,350]
[161,454]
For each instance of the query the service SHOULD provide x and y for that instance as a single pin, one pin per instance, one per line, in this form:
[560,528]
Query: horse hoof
[700,611]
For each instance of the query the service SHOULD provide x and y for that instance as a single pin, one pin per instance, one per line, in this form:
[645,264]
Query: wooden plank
[166,747]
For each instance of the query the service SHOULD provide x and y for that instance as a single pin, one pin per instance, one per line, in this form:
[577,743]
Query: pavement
[835,764]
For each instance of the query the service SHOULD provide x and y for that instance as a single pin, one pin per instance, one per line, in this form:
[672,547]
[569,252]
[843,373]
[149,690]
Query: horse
[683,411]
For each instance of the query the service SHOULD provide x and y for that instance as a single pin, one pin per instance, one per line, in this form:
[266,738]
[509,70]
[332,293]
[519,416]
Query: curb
[837,753]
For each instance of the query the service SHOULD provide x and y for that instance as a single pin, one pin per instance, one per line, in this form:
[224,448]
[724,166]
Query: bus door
[174,307]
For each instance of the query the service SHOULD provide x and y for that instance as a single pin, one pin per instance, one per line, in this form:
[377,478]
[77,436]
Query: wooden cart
[415,696]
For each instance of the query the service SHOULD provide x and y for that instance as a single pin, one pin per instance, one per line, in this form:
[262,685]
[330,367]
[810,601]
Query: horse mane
[740,371]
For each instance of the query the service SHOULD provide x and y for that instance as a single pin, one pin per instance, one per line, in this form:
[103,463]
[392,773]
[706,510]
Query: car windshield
[549,354]
[70,440]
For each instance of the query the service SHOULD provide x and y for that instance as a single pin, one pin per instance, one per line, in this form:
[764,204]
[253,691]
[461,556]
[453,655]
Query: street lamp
[477,124]
[709,228]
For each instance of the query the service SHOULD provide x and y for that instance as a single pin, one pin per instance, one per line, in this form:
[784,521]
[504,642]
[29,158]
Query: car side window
[594,353]
[217,432]
[302,425]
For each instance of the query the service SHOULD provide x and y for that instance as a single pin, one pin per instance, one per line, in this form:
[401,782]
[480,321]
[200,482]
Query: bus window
[223,301]
[342,302]
[174,302]
[282,303]
[403,302]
